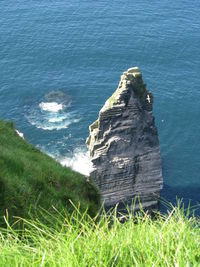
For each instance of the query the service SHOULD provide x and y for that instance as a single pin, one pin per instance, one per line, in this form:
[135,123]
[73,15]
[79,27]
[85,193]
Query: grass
[169,240]
[48,219]
[30,179]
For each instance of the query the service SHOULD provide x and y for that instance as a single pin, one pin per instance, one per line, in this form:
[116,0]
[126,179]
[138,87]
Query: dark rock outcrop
[124,146]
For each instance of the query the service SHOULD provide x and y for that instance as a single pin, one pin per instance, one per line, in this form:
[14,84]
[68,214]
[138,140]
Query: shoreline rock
[124,146]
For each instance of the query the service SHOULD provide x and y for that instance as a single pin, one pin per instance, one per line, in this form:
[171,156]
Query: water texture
[60,61]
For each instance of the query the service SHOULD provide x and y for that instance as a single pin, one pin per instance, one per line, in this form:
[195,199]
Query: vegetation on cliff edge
[172,239]
[30,179]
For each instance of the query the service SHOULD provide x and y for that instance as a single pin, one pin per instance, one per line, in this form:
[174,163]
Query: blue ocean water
[75,51]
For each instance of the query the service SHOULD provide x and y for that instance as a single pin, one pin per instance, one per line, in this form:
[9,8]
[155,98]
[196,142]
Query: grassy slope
[170,240]
[28,177]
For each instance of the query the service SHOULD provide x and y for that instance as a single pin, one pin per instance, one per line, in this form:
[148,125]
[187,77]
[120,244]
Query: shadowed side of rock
[124,146]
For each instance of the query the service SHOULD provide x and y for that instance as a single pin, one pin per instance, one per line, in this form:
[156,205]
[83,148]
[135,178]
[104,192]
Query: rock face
[124,146]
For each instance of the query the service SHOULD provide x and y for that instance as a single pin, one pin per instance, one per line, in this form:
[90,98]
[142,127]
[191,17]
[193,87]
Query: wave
[54,114]
[50,122]
[79,161]
[19,133]
[51,126]
[51,106]
[57,119]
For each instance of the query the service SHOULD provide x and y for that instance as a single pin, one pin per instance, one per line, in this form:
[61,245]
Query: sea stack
[124,146]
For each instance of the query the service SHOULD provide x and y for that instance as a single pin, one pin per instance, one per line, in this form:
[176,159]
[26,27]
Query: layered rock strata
[124,146]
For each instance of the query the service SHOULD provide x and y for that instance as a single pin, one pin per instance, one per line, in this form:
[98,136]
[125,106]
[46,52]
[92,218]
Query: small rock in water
[58,96]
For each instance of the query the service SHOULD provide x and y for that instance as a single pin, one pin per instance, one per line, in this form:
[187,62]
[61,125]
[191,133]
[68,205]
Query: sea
[60,60]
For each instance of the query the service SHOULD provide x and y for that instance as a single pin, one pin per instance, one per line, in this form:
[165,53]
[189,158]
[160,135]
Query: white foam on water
[19,133]
[53,126]
[51,106]
[79,162]
[57,119]
[51,116]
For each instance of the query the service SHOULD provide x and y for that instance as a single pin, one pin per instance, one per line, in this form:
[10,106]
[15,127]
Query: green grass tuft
[172,239]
